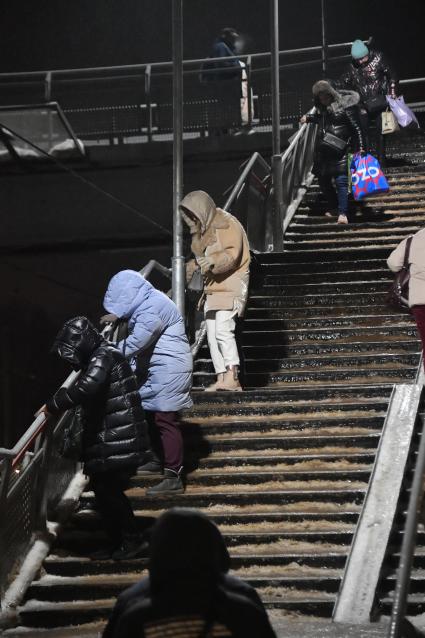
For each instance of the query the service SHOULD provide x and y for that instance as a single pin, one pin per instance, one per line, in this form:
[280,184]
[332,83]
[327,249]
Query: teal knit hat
[359,50]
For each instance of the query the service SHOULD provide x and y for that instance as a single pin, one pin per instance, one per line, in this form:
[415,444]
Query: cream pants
[221,338]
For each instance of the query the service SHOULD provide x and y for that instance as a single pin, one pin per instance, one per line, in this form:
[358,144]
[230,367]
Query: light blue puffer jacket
[156,334]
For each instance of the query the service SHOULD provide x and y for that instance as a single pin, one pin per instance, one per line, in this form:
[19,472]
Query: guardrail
[33,477]
[414,517]
[136,100]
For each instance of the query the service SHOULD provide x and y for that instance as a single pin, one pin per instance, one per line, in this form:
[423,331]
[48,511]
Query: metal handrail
[155,265]
[414,511]
[141,67]
[255,157]
[17,452]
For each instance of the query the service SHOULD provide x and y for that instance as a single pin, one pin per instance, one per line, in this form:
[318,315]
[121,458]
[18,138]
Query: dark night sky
[75,33]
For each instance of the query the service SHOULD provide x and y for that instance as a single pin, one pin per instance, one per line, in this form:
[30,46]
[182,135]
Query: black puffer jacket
[342,119]
[115,435]
[370,79]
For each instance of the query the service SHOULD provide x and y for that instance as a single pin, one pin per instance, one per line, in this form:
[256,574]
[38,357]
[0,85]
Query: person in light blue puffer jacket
[159,351]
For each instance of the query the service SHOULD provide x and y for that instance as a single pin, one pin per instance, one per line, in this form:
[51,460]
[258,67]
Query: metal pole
[276,159]
[324,43]
[178,278]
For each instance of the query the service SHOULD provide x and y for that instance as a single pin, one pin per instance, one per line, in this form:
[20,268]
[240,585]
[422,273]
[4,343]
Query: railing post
[4,488]
[48,87]
[148,94]
[40,504]
[278,203]
[276,159]
[324,42]
[178,280]
[249,88]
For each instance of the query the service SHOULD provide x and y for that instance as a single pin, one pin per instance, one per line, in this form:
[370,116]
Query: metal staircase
[284,467]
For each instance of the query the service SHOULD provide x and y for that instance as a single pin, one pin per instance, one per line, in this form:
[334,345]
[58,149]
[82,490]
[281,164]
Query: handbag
[398,294]
[71,446]
[389,122]
[376,104]
[331,142]
[196,284]
[403,114]
[367,178]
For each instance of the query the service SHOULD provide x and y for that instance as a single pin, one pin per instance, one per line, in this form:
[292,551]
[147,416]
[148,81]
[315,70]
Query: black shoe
[151,467]
[133,546]
[171,484]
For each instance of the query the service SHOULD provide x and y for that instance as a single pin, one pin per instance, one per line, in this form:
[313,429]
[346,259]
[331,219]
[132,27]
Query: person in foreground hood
[417,278]
[188,591]
[159,352]
[370,75]
[114,429]
[221,250]
[338,115]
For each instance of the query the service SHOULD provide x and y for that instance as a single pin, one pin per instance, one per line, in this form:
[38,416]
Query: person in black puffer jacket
[115,434]
[371,76]
[337,113]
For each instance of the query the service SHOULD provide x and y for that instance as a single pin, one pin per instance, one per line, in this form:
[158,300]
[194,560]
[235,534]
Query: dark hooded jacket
[188,578]
[369,79]
[114,428]
[227,68]
[342,119]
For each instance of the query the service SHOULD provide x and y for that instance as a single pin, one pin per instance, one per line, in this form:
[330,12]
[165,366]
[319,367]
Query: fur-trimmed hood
[342,99]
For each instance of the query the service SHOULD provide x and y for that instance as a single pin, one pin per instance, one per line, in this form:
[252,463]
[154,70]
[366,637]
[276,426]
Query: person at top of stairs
[417,278]
[221,250]
[114,436]
[338,117]
[159,351]
[371,76]
[188,592]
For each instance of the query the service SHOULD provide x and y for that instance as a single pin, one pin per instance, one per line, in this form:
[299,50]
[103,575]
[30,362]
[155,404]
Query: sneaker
[342,219]
[171,484]
[331,213]
[133,546]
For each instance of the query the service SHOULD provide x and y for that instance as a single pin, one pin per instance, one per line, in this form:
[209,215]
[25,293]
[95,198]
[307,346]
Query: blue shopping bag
[367,178]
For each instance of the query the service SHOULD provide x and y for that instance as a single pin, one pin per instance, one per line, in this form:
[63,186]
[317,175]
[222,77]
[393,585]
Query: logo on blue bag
[367,178]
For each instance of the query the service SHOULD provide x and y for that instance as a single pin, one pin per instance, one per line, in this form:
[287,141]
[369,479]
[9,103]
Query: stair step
[298,364]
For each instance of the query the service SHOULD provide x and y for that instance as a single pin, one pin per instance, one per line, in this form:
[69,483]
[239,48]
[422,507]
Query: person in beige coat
[221,250]
[417,277]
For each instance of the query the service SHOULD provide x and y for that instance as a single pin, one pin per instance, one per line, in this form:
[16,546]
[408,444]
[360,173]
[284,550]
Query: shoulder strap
[407,252]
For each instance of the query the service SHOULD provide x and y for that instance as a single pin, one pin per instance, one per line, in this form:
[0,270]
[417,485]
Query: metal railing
[136,100]
[292,176]
[33,477]
[413,518]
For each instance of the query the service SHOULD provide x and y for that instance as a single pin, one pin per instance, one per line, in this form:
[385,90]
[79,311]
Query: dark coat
[114,427]
[228,68]
[188,577]
[370,79]
[342,119]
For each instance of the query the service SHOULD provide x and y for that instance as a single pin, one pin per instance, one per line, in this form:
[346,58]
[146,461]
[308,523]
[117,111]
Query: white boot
[213,386]
[230,381]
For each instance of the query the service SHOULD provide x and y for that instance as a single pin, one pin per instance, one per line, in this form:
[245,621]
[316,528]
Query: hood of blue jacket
[126,291]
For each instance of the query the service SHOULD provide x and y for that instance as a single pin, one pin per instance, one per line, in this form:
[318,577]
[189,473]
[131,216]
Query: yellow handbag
[389,122]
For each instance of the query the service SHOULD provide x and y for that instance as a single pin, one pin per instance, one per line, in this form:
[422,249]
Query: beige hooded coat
[417,266]
[220,237]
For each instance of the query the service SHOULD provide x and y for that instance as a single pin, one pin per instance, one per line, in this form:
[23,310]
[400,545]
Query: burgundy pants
[419,313]
[166,438]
